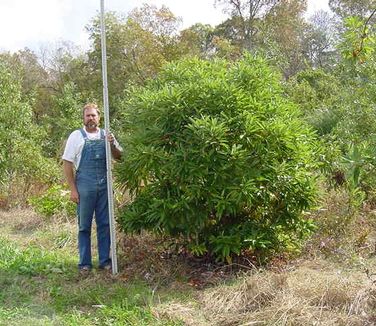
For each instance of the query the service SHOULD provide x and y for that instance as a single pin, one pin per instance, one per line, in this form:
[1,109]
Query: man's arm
[115,147]
[115,151]
[70,178]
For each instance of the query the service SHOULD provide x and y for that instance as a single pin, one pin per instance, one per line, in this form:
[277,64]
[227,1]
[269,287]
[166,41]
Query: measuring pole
[108,149]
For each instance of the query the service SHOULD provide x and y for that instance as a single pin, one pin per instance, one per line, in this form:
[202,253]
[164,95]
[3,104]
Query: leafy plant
[29,261]
[66,116]
[22,164]
[358,42]
[214,153]
[54,201]
[342,111]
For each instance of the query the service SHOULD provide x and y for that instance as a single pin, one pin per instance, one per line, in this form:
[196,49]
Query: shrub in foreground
[215,155]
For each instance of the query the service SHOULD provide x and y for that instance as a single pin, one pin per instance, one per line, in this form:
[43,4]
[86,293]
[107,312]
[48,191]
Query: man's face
[91,119]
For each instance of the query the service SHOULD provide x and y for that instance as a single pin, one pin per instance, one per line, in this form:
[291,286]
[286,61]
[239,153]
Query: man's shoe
[106,268]
[85,270]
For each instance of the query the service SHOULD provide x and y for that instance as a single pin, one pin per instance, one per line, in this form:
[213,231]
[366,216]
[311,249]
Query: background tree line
[325,63]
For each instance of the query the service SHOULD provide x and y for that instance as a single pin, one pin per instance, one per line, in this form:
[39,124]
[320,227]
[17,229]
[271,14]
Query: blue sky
[38,23]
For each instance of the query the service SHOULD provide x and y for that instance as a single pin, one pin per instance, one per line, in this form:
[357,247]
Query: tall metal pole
[108,149]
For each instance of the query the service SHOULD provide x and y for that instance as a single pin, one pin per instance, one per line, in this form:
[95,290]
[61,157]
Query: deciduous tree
[245,15]
[22,164]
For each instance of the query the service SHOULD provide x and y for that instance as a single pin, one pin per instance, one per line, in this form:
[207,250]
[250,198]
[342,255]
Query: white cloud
[194,11]
[315,5]
[24,22]
[32,23]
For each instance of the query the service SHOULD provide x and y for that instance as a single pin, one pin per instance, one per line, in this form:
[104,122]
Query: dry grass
[343,231]
[20,219]
[311,293]
[188,313]
[318,292]
[144,256]
[321,291]
[27,228]
[314,293]
[19,224]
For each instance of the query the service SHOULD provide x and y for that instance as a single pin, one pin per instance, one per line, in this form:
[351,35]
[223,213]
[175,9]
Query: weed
[54,201]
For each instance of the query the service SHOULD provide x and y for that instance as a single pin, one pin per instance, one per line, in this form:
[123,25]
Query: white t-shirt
[75,144]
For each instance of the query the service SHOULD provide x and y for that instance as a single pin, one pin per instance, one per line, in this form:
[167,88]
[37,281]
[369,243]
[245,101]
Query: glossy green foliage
[215,154]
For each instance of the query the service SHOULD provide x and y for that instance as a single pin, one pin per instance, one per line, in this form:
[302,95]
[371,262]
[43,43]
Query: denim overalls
[91,182]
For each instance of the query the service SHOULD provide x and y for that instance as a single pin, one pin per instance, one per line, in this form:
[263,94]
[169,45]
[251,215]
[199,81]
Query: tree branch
[364,33]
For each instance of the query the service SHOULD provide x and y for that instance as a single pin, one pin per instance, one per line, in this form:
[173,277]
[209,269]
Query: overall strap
[102,134]
[83,133]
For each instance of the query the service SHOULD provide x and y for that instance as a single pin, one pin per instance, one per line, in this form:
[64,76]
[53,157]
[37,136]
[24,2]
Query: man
[85,169]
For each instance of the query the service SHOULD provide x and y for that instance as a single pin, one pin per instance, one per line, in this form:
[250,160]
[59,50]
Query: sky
[37,23]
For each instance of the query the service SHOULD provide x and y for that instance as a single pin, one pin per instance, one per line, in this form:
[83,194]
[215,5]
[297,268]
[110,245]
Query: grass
[333,282]
[40,284]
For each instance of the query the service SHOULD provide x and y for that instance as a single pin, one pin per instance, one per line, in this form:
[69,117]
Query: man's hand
[110,138]
[115,151]
[74,196]
[70,177]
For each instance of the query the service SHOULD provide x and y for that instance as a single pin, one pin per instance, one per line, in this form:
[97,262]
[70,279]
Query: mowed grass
[40,285]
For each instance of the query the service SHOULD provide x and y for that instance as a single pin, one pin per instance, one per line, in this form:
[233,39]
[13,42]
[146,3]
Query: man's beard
[91,125]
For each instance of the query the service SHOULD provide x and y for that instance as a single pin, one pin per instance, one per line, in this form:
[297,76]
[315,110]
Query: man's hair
[90,106]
